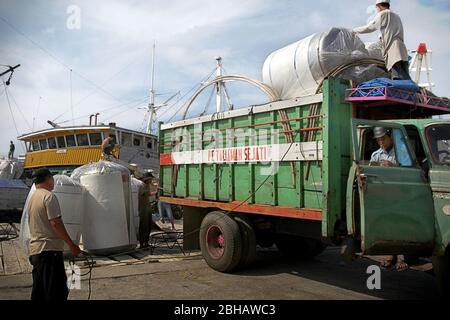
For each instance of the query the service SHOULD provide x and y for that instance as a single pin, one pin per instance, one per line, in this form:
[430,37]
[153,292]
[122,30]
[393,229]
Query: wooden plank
[22,257]
[11,263]
[125,259]
[141,254]
[101,261]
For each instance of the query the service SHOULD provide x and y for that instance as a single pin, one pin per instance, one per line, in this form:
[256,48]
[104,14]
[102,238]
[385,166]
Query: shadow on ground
[330,269]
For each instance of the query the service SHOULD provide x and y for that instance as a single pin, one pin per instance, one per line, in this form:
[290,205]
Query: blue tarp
[366,89]
[407,85]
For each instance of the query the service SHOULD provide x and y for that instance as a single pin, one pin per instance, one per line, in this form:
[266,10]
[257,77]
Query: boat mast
[219,85]
[221,88]
[151,106]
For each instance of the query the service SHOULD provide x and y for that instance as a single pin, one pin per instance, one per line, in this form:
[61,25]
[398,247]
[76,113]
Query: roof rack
[387,95]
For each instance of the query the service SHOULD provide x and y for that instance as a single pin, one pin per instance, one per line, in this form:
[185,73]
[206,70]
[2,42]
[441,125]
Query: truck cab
[403,208]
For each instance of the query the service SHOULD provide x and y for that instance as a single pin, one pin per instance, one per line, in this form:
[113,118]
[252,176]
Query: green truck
[298,174]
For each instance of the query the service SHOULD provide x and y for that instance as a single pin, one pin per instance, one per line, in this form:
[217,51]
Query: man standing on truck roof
[392,39]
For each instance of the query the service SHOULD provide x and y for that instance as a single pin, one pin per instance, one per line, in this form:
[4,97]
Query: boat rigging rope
[12,115]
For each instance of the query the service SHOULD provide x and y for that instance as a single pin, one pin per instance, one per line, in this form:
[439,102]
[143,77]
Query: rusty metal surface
[277,211]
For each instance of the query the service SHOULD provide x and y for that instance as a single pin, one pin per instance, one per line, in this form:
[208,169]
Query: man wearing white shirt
[392,38]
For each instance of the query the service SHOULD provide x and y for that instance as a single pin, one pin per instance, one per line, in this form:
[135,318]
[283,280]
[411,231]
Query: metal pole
[219,85]
[151,106]
[10,69]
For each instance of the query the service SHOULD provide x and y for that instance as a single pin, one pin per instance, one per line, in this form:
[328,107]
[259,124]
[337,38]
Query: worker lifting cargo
[392,39]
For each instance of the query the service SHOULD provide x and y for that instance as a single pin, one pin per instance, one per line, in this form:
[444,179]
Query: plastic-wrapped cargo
[375,50]
[24,234]
[108,224]
[135,186]
[298,69]
[10,169]
[71,198]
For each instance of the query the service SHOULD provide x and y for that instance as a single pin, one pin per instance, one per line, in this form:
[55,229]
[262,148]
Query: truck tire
[441,266]
[248,240]
[299,247]
[221,241]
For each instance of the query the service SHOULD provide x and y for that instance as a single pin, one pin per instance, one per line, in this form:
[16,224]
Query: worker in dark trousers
[48,235]
[12,148]
[392,38]
[145,214]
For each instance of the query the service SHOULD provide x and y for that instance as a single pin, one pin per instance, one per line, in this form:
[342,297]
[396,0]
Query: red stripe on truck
[165,159]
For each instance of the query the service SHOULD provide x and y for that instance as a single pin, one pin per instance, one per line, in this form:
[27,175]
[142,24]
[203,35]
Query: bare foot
[401,266]
[388,263]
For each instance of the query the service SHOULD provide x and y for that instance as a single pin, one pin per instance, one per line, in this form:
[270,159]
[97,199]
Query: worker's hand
[386,163]
[75,250]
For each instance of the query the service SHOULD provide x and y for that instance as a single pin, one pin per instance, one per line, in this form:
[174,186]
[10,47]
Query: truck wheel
[248,240]
[299,247]
[441,266]
[220,241]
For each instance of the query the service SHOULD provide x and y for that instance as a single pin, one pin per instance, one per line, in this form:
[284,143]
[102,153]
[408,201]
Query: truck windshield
[438,137]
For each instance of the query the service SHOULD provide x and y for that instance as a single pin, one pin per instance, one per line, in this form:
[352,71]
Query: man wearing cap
[385,156]
[48,235]
[392,39]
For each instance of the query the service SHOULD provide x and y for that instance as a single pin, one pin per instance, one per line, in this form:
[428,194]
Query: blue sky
[110,54]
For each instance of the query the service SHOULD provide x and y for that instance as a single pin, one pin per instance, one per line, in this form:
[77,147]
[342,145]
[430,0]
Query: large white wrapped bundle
[10,169]
[24,234]
[297,69]
[71,198]
[108,224]
[136,185]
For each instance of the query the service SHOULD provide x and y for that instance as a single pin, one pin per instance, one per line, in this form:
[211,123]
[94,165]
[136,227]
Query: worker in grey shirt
[392,39]
[385,156]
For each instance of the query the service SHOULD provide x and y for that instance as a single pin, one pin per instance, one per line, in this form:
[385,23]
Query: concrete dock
[170,274]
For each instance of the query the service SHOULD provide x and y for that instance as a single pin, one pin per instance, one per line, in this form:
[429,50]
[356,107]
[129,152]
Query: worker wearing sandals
[400,262]
[385,156]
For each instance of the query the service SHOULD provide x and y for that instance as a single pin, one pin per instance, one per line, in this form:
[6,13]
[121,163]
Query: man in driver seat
[385,156]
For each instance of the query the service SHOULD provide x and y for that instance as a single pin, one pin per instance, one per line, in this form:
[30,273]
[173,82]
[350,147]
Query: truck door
[395,199]
[438,143]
